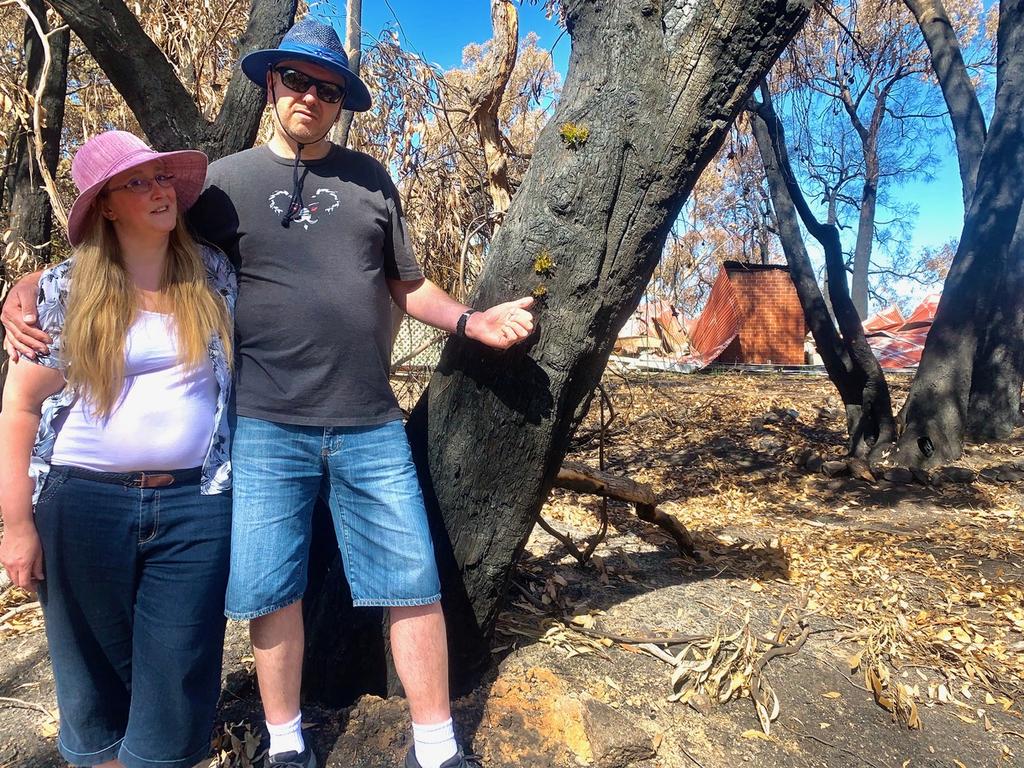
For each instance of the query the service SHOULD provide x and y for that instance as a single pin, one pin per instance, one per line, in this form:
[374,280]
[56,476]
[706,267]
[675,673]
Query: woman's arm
[27,386]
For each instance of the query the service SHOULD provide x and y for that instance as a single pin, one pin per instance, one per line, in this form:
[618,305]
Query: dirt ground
[834,617]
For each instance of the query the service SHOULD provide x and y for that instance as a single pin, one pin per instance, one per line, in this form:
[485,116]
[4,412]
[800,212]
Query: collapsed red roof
[900,345]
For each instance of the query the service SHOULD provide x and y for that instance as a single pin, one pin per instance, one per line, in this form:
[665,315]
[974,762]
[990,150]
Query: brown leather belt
[152,480]
[147,479]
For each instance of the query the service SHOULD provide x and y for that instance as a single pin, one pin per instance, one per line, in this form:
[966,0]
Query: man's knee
[278,626]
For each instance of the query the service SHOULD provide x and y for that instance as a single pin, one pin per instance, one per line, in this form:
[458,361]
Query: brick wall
[773,328]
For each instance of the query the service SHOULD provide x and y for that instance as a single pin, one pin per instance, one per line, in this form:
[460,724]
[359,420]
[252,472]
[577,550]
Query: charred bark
[957,89]
[935,413]
[994,406]
[146,80]
[31,218]
[993,412]
[849,361]
[656,87]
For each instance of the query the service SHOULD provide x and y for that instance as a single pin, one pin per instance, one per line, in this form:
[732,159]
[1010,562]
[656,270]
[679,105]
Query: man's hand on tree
[21,323]
[502,325]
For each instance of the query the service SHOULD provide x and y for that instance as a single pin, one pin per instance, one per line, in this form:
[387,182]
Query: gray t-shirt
[312,324]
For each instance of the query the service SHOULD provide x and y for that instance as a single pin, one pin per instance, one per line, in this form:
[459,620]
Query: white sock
[286,737]
[434,743]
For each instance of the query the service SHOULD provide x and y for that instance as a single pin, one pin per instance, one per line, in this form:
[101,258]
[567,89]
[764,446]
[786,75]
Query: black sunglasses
[293,80]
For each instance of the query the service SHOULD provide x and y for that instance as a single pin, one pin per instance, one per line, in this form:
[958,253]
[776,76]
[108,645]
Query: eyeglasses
[293,80]
[142,186]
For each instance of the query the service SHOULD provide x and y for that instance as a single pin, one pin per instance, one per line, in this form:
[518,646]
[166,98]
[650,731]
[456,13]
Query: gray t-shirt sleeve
[399,261]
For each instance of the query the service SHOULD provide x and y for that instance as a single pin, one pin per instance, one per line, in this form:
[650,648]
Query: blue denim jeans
[133,603]
[366,475]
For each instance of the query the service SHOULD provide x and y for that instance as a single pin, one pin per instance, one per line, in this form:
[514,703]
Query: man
[317,235]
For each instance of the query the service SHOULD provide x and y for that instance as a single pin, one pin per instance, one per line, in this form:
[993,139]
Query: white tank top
[164,418]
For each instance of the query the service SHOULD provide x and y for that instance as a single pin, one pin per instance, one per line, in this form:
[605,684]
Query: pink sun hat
[104,156]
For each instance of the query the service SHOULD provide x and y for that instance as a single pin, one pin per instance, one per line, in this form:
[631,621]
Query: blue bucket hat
[317,43]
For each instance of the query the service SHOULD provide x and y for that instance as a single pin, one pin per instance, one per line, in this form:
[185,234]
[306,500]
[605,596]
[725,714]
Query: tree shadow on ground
[14,675]
[26,685]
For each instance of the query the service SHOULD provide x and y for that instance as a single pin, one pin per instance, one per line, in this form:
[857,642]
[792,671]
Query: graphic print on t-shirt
[324,202]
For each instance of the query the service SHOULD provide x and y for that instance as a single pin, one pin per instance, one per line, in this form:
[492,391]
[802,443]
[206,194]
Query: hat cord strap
[295,204]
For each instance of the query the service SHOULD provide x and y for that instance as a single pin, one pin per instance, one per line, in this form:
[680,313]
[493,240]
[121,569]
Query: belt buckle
[153,480]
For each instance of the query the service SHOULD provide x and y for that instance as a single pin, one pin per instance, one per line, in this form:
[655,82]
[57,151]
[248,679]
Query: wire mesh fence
[414,355]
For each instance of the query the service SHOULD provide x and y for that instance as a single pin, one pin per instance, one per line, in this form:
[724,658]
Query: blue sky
[439,31]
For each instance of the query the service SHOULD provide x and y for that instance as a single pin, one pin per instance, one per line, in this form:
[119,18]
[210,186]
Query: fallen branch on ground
[583,479]
[21,704]
[18,610]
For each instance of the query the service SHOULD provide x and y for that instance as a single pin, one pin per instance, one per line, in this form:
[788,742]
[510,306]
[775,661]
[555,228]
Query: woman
[119,440]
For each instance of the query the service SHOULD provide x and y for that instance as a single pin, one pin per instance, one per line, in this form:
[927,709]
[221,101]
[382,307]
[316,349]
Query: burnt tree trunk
[146,80]
[935,413]
[957,88]
[849,361]
[31,218]
[994,408]
[656,86]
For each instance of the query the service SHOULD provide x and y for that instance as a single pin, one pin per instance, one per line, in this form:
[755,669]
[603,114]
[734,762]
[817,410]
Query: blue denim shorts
[134,609]
[368,479]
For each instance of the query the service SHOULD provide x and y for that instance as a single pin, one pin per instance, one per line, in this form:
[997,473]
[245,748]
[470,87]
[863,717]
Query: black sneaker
[458,760]
[303,759]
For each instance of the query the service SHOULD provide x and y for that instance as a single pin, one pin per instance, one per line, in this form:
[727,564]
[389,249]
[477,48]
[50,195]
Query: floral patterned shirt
[54,285]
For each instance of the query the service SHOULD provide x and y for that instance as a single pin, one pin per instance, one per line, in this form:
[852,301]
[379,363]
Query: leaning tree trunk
[994,409]
[994,406]
[650,94]
[651,91]
[957,88]
[146,80]
[849,361]
[935,413]
[31,220]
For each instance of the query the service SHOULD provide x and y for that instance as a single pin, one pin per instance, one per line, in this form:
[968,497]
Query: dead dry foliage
[921,582]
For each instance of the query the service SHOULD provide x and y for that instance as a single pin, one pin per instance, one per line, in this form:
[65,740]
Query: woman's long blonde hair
[103,303]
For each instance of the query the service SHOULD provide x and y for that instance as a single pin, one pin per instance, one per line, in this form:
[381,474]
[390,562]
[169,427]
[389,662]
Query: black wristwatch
[460,326]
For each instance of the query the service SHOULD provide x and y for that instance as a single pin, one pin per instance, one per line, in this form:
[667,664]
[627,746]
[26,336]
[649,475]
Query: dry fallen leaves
[236,745]
[928,579]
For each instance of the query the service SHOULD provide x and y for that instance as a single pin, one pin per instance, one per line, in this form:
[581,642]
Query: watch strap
[460,326]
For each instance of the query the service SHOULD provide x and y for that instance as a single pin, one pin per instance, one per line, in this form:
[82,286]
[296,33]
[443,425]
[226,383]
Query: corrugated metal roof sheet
[901,347]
